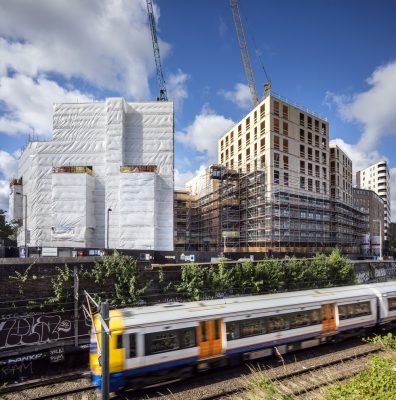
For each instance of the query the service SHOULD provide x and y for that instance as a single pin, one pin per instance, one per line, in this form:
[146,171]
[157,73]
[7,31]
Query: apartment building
[184,215]
[271,192]
[376,177]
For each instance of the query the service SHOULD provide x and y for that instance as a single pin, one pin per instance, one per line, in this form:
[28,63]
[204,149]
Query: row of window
[264,325]
[309,124]
[312,139]
[177,339]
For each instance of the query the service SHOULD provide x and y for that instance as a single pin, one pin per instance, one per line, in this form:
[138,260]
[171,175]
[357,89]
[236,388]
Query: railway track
[296,377]
[310,378]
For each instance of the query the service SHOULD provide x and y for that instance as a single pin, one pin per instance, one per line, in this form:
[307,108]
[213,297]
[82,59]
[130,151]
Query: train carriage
[150,344]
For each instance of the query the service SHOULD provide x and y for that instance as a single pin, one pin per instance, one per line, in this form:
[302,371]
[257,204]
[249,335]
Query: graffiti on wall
[29,330]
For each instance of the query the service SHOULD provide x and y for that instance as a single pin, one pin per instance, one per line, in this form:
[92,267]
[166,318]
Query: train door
[209,338]
[328,318]
[132,343]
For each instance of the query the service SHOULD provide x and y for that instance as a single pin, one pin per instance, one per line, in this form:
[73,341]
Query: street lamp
[107,232]
[24,199]
[380,235]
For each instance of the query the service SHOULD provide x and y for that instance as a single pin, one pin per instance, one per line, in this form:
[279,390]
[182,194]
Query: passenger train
[161,342]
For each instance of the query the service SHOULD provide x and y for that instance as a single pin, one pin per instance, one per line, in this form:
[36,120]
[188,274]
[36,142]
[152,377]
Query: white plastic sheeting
[16,203]
[104,135]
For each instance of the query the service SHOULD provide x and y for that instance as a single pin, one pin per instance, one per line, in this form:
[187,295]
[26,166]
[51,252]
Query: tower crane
[245,54]
[163,95]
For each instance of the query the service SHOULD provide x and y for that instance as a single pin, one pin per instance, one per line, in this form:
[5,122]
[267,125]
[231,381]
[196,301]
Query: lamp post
[380,235]
[107,232]
[24,200]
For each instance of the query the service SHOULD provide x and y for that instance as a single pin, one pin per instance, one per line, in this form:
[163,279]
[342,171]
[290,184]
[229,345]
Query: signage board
[49,252]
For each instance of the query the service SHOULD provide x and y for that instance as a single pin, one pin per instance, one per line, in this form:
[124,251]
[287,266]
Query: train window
[252,327]
[132,345]
[392,303]
[232,329]
[203,331]
[347,311]
[119,342]
[300,319]
[217,329]
[160,342]
[187,338]
[315,317]
[277,323]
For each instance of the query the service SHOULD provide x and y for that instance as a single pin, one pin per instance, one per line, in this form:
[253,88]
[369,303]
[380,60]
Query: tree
[7,231]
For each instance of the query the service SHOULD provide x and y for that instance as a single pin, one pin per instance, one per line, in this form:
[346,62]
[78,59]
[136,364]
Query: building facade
[377,178]
[104,180]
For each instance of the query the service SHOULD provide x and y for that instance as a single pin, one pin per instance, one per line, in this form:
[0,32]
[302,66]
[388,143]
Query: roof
[172,312]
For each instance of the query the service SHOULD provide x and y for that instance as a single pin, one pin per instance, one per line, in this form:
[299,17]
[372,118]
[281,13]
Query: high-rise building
[104,180]
[376,177]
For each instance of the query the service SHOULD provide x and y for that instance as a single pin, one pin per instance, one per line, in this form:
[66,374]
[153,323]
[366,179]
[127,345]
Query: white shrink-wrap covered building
[104,180]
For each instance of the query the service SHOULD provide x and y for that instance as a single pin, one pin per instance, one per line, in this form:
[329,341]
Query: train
[150,344]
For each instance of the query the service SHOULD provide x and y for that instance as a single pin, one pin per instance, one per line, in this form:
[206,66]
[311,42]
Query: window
[262,161]
[286,179]
[222,157]
[239,144]
[392,303]
[232,136]
[302,150]
[285,112]
[247,123]
[247,154]
[252,327]
[309,120]
[310,184]
[276,160]
[262,111]
[317,186]
[255,150]
[285,128]
[226,154]
[132,345]
[247,139]
[302,135]
[316,126]
[276,107]
[309,137]
[276,125]
[323,129]
[324,142]
[160,342]
[187,338]
[262,128]
[316,140]
[255,133]
[119,344]
[276,177]
[285,146]
[262,144]
[317,171]
[222,145]
[232,150]
[302,182]
[226,141]
[276,142]
[354,310]
[285,162]
[302,167]
[317,156]
[239,130]
[324,158]
[302,119]
[255,117]
[309,169]
[309,153]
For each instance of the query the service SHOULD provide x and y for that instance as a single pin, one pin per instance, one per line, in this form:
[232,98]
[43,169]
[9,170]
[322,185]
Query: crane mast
[160,77]
[244,50]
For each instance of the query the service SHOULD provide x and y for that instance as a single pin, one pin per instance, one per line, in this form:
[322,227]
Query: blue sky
[337,58]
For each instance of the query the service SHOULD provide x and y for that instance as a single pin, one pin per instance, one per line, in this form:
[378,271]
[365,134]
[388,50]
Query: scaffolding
[239,211]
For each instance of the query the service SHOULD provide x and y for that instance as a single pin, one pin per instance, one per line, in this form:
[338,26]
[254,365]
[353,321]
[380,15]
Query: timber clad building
[271,189]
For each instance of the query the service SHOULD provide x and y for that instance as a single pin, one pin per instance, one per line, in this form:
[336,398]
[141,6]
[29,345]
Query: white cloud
[374,108]
[8,169]
[4,192]
[240,96]
[30,103]
[8,164]
[176,86]
[107,44]
[204,132]
[181,178]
